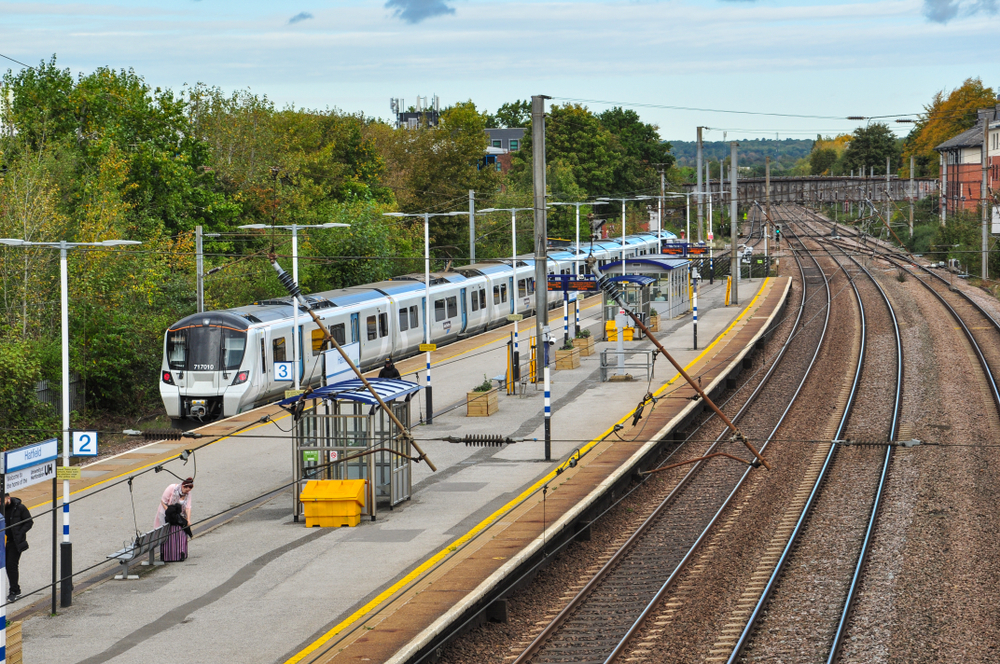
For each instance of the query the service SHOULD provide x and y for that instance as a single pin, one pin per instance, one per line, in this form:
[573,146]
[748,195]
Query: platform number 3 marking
[84,443]
[282,370]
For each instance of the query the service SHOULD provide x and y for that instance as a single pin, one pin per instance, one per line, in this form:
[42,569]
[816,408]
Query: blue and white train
[219,363]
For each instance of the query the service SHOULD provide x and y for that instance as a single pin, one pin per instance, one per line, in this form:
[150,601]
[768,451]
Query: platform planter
[654,321]
[585,344]
[567,358]
[483,400]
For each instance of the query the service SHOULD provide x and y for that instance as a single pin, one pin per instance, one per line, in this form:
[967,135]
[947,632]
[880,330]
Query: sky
[763,62]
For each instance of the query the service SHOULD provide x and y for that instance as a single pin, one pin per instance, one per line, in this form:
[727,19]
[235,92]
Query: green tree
[870,146]
[640,149]
[822,160]
[513,114]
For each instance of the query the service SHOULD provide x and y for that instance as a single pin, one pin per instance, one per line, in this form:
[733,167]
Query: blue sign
[31,455]
[283,371]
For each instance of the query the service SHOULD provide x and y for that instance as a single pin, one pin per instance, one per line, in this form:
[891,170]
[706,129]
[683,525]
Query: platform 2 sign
[572,282]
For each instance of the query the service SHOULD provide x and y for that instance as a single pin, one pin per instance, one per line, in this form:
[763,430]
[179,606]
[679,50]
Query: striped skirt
[175,547]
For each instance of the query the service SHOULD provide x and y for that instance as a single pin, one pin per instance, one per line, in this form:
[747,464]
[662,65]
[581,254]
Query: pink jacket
[172,495]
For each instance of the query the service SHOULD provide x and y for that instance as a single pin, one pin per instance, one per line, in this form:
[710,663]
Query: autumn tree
[944,118]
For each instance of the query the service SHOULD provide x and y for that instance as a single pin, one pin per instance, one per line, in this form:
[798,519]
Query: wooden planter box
[568,359]
[654,323]
[482,404]
[585,345]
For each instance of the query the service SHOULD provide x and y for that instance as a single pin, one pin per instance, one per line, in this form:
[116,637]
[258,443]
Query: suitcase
[175,547]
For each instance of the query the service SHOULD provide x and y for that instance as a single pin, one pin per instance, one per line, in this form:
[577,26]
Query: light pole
[576,254]
[513,265]
[295,277]
[66,548]
[623,200]
[427,293]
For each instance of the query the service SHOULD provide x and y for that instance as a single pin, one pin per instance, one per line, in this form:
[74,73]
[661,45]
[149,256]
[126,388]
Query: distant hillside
[783,153]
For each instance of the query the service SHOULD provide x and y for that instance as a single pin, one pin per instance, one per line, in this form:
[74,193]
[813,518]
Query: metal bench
[140,546]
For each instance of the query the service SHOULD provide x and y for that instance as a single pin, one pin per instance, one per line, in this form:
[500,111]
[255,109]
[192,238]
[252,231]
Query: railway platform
[259,588]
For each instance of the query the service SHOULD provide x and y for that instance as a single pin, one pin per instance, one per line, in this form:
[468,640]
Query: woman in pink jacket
[175,543]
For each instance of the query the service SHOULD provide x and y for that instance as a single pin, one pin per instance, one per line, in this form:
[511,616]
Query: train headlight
[167,378]
[241,377]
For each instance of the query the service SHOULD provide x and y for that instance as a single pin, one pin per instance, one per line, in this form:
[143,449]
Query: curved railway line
[600,622]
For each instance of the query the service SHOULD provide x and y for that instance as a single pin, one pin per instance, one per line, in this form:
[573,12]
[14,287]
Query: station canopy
[639,279]
[389,389]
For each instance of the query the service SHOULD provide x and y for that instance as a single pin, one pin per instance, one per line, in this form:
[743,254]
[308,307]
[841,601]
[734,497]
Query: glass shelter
[341,433]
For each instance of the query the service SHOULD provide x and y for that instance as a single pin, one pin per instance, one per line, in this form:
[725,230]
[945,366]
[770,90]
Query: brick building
[503,143]
[961,163]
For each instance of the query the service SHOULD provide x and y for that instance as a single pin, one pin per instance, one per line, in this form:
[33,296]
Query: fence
[53,396]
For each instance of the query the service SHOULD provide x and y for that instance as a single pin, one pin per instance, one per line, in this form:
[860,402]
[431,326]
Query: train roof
[394,288]
[212,319]
[498,267]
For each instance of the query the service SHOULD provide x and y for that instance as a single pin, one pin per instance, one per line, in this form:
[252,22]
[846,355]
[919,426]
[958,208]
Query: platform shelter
[651,282]
[342,433]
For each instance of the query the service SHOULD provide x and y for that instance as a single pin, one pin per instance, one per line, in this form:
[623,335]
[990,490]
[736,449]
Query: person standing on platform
[19,522]
[175,512]
[389,370]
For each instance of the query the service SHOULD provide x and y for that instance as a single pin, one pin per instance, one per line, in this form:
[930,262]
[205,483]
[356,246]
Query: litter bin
[332,503]
[628,333]
[611,331]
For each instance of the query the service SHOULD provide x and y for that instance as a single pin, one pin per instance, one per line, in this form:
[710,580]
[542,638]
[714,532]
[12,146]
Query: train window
[414,321]
[482,298]
[404,320]
[372,328]
[503,292]
[522,288]
[279,349]
[234,344]
[383,325]
[177,350]
[475,300]
[337,332]
[496,295]
[452,307]
[531,286]
[439,311]
[263,357]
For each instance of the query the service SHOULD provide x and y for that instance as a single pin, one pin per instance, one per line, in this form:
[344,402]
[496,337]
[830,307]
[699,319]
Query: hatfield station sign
[29,465]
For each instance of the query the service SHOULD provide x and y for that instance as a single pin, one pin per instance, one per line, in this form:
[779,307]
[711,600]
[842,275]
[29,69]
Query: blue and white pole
[694,304]
[548,395]
[3,594]
[428,307]
[565,314]
[66,548]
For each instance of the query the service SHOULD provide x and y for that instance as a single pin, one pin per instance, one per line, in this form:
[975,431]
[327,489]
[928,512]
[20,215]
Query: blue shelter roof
[640,279]
[649,262]
[389,389]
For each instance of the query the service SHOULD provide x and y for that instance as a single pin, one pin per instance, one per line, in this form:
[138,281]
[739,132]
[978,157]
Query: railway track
[600,621]
[836,508]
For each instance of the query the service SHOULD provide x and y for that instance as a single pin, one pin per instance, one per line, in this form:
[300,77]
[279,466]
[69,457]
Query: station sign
[25,477]
[31,455]
[335,367]
[283,371]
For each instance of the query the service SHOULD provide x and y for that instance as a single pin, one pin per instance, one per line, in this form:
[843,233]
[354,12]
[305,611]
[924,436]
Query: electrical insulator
[289,284]
[480,440]
[164,434]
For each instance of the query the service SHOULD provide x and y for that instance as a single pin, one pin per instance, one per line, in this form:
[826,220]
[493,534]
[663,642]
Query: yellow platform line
[488,521]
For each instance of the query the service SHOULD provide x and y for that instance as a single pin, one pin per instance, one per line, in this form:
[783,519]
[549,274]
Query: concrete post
[984,198]
[541,258]
[701,202]
[912,192]
[199,266]
[734,222]
[472,226]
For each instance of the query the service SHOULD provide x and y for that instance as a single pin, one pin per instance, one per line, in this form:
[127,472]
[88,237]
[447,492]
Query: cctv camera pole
[541,259]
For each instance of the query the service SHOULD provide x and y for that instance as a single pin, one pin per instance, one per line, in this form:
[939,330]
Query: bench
[140,546]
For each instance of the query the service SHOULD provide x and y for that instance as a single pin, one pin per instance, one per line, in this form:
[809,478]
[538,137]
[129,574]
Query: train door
[465,313]
[513,292]
[355,331]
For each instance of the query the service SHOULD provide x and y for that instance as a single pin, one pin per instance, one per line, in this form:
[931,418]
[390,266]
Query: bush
[583,334]
[485,386]
[20,369]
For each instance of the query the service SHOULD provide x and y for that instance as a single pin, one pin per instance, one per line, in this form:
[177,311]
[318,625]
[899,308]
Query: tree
[870,146]
[640,150]
[820,161]
[513,114]
[945,118]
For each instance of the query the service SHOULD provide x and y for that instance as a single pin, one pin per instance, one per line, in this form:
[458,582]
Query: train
[220,363]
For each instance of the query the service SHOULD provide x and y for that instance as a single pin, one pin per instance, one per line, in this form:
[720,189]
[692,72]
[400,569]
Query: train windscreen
[205,348]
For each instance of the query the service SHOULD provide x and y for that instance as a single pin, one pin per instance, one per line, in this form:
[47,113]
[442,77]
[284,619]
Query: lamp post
[513,264]
[295,277]
[576,254]
[66,548]
[427,292]
[623,200]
